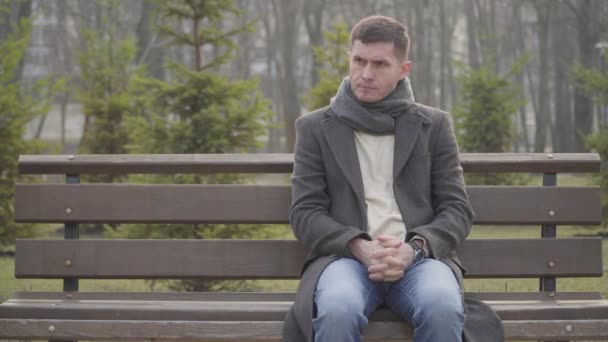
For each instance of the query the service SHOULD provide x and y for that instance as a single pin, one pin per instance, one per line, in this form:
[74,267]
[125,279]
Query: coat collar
[407,128]
[341,141]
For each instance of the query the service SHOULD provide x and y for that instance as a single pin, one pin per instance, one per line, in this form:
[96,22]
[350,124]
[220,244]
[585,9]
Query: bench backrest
[548,205]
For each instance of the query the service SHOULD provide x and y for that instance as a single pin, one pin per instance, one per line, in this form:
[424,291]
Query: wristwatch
[419,254]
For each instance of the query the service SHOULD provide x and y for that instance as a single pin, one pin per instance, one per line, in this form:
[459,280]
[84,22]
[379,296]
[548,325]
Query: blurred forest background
[231,76]
[272,42]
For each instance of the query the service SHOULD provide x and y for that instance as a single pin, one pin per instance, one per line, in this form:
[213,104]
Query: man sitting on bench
[379,198]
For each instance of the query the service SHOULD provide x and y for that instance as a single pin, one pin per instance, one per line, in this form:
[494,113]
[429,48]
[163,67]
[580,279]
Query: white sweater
[376,161]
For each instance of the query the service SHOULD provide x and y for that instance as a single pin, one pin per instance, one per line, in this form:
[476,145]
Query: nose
[368,74]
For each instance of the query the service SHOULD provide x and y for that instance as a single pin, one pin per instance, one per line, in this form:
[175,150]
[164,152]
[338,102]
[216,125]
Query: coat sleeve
[309,212]
[453,215]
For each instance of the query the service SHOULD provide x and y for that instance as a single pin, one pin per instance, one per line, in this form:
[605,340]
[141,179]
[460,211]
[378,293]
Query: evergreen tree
[17,107]
[599,143]
[197,111]
[107,74]
[105,86]
[595,83]
[333,62]
[484,115]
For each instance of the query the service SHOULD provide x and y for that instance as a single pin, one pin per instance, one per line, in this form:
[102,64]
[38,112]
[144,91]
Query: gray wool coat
[328,206]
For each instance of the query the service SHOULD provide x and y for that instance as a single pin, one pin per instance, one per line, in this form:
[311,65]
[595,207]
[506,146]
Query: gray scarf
[374,118]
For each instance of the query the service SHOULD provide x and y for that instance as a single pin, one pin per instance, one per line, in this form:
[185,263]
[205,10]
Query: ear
[405,68]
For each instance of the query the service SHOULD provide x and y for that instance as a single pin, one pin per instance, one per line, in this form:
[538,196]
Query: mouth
[365,87]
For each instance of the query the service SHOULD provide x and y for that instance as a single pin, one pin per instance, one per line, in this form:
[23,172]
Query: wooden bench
[223,316]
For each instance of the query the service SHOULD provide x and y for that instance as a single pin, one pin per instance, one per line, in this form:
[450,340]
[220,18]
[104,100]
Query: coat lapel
[341,141]
[407,128]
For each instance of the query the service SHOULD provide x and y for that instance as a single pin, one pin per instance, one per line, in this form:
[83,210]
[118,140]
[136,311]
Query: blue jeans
[428,296]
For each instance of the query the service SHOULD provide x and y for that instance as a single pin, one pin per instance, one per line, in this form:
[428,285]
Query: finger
[380,254]
[376,276]
[374,261]
[392,273]
[392,279]
[378,268]
[393,262]
[385,237]
[395,243]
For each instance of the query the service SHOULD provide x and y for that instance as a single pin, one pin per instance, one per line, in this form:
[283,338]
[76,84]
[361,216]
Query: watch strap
[418,252]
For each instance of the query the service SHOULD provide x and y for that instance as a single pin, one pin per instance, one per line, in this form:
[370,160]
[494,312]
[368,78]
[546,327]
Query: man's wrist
[356,248]
[422,243]
[418,252]
[354,243]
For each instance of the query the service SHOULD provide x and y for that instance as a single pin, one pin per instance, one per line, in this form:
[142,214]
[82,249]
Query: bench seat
[259,315]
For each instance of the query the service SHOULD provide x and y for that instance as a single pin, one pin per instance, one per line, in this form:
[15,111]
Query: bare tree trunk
[40,126]
[148,51]
[452,84]
[445,51]
[422,56]
[543,14]
[563,57]
[428,67]
[241,67]
[519,48]
[64,112]
[472,38]
[287,29]
[492,39]
[313,17]
[270,42]
[587,15]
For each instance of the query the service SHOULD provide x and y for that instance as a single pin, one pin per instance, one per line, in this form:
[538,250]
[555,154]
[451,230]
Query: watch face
[418,256]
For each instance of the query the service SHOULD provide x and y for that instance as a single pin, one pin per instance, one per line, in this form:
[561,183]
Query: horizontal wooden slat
[25,329]
[162,330]
[529,257]
[579,330]
[262,311]
[271,259]
[119,203]
[156,163]
[535,205]
[282,163]
[132,259]
[530,162]
[19,297]
[149,203]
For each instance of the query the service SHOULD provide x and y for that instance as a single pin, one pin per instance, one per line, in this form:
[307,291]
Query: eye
[380,64]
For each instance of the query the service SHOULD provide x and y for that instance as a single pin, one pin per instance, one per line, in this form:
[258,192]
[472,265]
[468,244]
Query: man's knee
[440,303]
[340,307]
[339,301]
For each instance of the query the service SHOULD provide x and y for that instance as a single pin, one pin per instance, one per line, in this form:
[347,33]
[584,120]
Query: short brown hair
[379,28]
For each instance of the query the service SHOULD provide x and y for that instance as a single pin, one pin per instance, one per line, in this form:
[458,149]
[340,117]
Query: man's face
[375,70]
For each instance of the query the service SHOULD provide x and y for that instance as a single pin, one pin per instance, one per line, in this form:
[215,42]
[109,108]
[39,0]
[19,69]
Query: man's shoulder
[316,116]
[433,115]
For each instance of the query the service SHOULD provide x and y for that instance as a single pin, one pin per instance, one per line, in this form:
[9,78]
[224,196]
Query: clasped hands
[385,257]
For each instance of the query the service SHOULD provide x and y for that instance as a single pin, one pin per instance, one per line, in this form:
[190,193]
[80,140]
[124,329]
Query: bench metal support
[71,232]
[549,231]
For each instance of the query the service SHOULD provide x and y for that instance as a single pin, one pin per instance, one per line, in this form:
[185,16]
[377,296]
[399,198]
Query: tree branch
[572,7]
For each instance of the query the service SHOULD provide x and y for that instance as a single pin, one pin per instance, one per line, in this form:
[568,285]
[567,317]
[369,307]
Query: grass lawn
[9,285]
